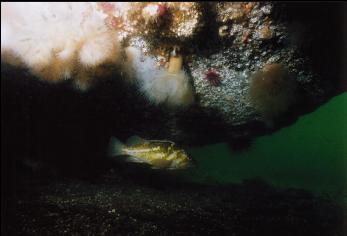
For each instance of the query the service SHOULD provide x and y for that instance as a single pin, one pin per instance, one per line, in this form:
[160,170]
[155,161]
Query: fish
[159,154]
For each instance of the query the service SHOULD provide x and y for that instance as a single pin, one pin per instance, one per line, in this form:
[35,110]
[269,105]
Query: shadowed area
[146,203]
[69,132]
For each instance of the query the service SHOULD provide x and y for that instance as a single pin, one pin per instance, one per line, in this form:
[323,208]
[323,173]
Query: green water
[310,154]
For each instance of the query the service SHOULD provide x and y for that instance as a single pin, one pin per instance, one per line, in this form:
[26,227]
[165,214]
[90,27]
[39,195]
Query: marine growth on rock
[272,90]
[83,41]
[212,77]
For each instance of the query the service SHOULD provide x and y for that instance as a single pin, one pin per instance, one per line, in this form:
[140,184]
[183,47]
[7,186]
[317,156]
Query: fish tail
[116,147]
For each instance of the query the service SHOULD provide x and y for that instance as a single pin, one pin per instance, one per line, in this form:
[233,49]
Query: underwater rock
[245,38]
[177,21]
[246,21]
[237,40]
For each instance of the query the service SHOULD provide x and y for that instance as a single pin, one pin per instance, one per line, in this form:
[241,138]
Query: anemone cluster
[57,41]
[60,41]
[158,46]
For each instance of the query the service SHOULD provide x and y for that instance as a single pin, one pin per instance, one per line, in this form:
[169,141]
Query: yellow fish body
[159,154]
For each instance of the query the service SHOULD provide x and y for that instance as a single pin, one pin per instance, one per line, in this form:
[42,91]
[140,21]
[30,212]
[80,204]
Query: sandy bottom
[120,202]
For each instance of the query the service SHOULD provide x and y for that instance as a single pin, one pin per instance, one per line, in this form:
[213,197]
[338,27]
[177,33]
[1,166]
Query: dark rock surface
[120,202]
[314,52]
[307,39]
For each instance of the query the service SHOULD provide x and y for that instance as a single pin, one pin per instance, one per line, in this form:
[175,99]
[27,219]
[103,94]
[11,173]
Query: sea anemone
[161,86]
[213,77]
[57,41]
[272,91]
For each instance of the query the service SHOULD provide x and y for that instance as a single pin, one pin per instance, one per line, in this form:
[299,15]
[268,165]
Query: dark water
[124,200]
[310,154]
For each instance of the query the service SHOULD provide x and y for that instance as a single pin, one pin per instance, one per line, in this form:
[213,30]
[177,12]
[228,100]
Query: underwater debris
[232,11]
[272,91]
[212,77]
[160,154]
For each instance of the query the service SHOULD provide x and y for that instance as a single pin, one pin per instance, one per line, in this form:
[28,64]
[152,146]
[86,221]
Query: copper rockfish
[159,154]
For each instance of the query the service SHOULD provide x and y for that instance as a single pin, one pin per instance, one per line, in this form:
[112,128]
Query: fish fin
[116,147]
[162,141]
[134,159]
[134,140]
